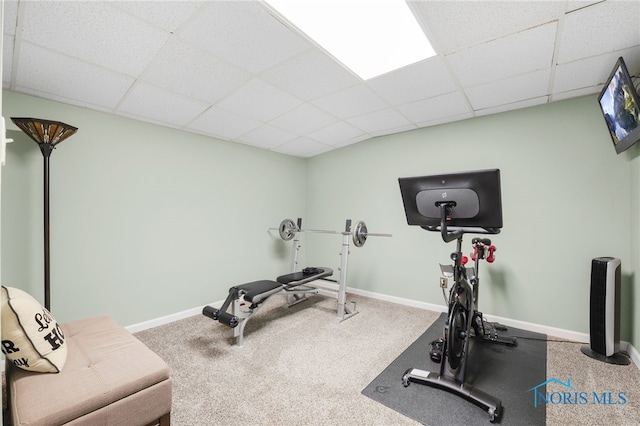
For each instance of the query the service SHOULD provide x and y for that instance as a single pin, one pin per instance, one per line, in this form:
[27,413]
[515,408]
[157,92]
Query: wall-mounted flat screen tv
[620,106]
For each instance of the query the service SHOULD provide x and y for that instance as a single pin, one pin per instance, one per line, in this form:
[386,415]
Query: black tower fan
[604,312]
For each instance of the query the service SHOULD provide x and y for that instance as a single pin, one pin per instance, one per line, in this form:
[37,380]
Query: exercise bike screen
[476,195]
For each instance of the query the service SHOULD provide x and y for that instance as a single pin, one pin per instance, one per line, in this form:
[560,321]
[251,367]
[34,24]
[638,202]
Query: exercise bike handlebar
[450,233]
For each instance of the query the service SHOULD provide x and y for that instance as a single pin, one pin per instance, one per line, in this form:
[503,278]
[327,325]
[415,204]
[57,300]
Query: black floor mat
[507,373]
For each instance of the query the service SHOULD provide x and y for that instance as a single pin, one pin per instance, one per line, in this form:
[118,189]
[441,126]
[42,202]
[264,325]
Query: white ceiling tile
[381,121]
[261,82]
[444,120]
[576,93]
[259,100]
[67,77]
[310,75]
[579,4]
[510,90]
[456,25]
[601,28]
[302,147]
[520,53]
[304,119]
[10,17]
[244,33]
[393,130]
[267,136]
[352,141]
[421,80]
[222,124]
[337,134]
[7,59]
[167,15]
[160,105]
[94,31]
[587,72]
[351,102]
[513,106]
[186,69]
[450,104]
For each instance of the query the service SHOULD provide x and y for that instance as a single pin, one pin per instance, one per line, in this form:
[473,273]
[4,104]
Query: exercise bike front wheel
[456,335]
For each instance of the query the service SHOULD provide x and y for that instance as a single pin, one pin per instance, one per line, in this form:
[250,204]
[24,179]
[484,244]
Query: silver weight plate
[360,234]
[287,229]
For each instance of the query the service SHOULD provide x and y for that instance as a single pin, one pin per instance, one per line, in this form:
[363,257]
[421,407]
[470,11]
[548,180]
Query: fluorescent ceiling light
[370,37]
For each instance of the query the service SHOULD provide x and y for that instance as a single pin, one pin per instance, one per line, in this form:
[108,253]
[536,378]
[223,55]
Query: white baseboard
[632,351]
[168,319]
[536,328]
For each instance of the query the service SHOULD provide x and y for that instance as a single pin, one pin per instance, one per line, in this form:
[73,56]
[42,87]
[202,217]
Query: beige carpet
[299,368]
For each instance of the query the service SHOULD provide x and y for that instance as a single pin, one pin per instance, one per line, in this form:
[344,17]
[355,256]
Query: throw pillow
[31,337]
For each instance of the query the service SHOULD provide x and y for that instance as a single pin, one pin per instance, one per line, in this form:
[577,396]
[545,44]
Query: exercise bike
[463,320]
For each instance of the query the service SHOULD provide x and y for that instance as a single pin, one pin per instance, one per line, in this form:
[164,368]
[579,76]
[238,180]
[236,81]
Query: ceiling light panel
[370,37]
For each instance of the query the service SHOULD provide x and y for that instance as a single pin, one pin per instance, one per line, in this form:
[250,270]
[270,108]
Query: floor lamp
[47,134]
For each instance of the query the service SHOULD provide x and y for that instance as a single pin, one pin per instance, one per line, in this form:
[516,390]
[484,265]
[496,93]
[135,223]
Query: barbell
[288,228]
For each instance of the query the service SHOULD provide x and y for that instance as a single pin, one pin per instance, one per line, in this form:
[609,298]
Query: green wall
[149,221]
[146,221]
[632,295]
[566,199]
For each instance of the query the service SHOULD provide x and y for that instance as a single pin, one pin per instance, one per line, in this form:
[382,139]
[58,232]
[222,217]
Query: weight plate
[360,234]
[287,229]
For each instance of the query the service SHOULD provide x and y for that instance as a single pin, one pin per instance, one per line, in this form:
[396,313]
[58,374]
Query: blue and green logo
[564,393]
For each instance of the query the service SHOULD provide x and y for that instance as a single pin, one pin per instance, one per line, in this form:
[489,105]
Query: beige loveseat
[109,378]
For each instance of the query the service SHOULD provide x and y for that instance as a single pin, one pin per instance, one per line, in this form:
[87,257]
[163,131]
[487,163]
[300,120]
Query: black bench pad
[298,278]
[259,288]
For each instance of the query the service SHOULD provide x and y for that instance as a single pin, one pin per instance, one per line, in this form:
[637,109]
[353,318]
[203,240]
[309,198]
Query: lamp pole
[46,152]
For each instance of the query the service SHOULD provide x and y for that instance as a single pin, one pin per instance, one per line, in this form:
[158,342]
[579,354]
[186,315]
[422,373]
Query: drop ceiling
[236,71]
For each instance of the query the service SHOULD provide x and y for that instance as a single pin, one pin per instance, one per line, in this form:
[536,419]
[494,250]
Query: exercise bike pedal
[437,347]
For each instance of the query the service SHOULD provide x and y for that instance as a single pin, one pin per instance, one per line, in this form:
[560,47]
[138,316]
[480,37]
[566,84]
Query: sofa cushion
[31,337]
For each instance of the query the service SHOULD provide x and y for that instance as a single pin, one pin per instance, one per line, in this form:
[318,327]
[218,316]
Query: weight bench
[255,293]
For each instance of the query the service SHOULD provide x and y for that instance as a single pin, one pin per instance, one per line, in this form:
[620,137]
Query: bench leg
[165,420]
[162,421]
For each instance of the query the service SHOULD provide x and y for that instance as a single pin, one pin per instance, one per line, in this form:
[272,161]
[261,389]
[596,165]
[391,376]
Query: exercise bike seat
[257,291]
[305,276]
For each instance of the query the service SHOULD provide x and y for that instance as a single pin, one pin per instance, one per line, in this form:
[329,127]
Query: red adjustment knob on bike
[475,253]
[465,259]
[491,256]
